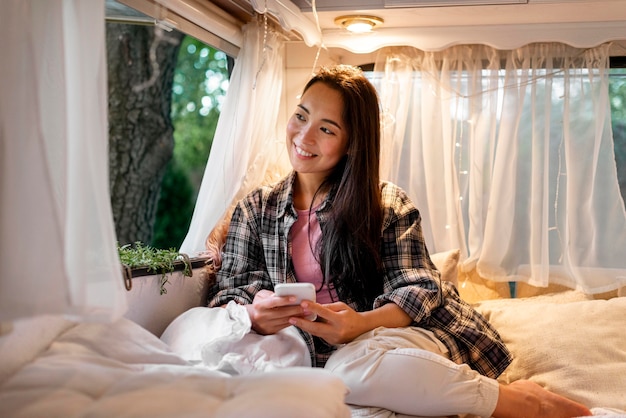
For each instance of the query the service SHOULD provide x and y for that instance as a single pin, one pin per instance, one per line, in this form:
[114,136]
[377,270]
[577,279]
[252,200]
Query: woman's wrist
[389,315]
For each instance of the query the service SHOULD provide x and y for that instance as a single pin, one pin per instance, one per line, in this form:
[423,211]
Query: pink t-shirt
[306,267]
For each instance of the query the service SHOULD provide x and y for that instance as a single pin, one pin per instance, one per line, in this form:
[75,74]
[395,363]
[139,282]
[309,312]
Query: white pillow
[576,349]
[447,262]
[487,306]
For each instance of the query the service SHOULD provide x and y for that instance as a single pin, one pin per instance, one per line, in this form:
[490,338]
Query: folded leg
[407,370]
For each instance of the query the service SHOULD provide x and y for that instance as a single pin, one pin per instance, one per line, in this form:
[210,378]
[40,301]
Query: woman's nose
[306,134]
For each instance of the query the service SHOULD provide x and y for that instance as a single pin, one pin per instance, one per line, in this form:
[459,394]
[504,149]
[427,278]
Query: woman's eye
[299,116]
[327,131]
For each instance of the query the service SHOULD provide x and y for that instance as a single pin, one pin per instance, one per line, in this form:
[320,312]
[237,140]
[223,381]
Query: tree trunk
[141,62]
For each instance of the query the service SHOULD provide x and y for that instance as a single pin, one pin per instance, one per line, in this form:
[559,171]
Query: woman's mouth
[302,152]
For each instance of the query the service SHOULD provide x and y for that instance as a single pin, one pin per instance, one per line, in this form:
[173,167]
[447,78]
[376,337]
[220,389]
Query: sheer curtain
[248,147]
[509,157]
[57,240]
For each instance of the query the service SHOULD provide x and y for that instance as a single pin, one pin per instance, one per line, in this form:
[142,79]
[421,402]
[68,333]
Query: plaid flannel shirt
[257,255]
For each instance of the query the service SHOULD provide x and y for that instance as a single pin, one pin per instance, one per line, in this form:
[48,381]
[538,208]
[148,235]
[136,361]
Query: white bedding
[55,368]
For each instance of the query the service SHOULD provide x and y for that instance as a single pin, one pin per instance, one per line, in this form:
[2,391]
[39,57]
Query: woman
[401,339]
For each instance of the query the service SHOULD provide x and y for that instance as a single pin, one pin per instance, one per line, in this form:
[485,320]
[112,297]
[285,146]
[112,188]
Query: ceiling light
[359,23]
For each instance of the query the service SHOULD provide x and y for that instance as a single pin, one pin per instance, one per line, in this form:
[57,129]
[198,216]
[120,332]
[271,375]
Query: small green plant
[157,261]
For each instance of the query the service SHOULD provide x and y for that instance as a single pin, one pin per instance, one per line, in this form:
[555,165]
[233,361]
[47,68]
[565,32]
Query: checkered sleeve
[468,335]
[243,272]
[412,282]
[410,277]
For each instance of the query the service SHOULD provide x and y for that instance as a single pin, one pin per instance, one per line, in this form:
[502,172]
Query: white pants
[407,370]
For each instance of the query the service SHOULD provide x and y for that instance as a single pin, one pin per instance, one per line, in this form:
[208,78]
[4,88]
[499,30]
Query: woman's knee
[374,343]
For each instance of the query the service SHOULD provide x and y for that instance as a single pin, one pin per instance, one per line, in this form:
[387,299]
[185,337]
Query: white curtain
[248,146]
[57,240]
[509,157]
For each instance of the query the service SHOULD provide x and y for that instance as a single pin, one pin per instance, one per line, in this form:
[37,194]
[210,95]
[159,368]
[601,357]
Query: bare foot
[525,399]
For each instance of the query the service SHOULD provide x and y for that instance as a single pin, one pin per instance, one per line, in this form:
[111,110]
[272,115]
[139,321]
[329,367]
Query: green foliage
[155,260]
[617,94]
[200,83]
[175,208]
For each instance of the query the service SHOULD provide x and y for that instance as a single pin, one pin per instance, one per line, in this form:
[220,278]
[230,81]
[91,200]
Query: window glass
[200,84]
[617,91]
[165,93]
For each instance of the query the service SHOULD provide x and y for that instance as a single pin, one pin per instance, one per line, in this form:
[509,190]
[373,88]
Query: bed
[571,343]
[53,367]
[142,366]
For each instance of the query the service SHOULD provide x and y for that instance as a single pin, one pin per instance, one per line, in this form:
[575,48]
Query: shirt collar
[285,197]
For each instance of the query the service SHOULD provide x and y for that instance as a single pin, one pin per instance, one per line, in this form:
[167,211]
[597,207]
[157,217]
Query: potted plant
[139,259]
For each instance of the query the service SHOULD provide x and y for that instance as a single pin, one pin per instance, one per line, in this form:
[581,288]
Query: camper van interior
[503,120]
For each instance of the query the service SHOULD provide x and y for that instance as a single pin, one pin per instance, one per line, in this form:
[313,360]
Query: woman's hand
[338,323]
[270,313]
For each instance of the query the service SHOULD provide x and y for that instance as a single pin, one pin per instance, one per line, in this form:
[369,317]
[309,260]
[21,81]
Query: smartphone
[302,291]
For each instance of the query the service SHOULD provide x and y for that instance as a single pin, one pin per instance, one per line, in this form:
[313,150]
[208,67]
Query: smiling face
[316,133]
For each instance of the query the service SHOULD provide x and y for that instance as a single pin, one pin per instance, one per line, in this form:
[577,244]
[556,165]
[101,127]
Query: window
[165,93]
[512,162]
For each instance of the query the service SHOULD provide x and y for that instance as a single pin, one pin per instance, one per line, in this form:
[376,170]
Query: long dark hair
[349,250]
